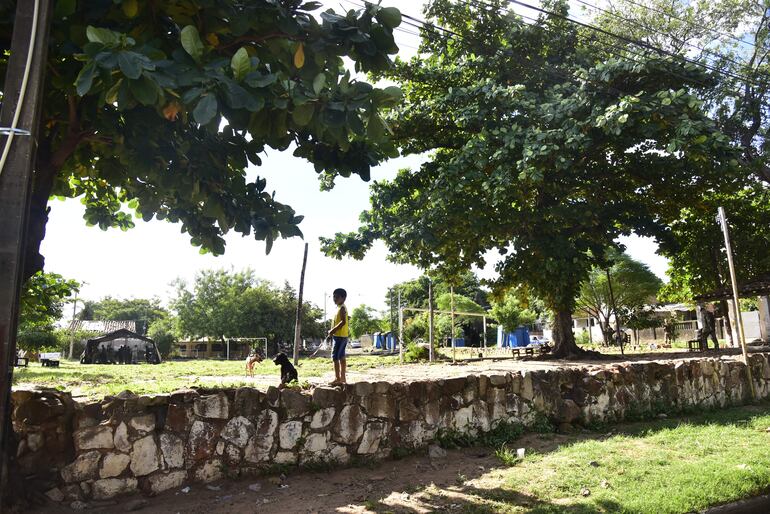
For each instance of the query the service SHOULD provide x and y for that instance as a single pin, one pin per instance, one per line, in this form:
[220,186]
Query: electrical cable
[22,89]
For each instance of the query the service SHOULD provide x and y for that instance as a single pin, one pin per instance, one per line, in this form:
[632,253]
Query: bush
[415,353]
[582,338]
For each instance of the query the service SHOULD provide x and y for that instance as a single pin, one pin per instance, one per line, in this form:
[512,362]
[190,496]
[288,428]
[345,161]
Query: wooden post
[454,347]
[22,99]
[298,320]
[430,320]
[738,319]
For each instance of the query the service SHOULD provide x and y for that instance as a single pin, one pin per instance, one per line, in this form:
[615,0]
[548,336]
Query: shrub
[415,352]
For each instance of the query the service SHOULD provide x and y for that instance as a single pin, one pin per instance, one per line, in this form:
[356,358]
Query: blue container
[391,341]
[379,340]
[459,342]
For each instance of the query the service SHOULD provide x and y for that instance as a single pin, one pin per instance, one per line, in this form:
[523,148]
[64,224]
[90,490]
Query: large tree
[732,36]
[162,106]
[617,290]
[142,310]
[544,151]
[41,305]
[223,304]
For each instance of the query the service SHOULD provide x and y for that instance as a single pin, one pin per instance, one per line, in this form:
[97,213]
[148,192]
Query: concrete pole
[739,320]
[298,320]
[430,320]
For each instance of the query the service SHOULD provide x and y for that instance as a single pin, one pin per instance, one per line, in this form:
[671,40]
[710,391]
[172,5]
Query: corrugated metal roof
[102,326]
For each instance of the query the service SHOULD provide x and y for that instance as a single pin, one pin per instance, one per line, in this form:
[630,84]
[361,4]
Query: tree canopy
[161,106]
[41,305]
[238,304]
[363,320]
[511,313]
[142,310]
[544,151]
[620,288]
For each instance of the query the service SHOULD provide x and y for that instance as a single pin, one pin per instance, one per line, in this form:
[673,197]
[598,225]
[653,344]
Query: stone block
[238,431]
[380,406]
[172,449]
[324,397]
[111,487]
[568,412]
[316,443]
[381,387]
[322,418]
[289,434]
[483,385]
[285,458]
[93,438]
[144,456]
[201,440]
[84,467]
[527,391]
[248,402]
[183,396]
[35,441]
[36,411]
[160,482]
[260,445]
[407,410]
[515,387]
[273,396]
[143,424]
[370,442]
[296,404]
[232,455]
[113,464]
[214,406]
[433,412]
[363,388]
[349,425]
[338,454]
[209,471]
[120,439]
[452,386]
[178,418]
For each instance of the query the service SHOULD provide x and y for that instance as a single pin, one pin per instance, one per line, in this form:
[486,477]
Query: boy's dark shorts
[338,349]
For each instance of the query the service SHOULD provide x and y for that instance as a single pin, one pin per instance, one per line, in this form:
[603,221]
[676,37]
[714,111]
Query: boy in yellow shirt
[339,332]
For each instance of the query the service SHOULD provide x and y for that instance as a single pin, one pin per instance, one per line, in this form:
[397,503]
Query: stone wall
[126,443]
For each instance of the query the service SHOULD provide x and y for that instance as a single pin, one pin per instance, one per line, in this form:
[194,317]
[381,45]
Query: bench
[529,351]
[694,345]
[50,359]
[22,362]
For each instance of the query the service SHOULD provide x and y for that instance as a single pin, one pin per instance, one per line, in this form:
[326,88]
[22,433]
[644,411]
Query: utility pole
[298,320]
[400,330]
[72,329]
[722,219]
[19,122]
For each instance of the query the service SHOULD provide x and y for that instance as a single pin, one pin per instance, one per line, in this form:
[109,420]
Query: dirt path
[414,484]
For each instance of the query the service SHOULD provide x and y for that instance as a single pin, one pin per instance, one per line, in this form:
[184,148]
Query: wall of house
[131,443]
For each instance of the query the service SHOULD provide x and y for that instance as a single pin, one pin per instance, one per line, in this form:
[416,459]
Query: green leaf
[318,83]
[206,109]
[240,64]
[389,16]
[85,78]
[393,92]
[144,90]
[191,42]
[303,114]
[129,65]
[103,36]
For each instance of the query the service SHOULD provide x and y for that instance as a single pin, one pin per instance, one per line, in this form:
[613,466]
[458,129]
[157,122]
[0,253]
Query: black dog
[288,372]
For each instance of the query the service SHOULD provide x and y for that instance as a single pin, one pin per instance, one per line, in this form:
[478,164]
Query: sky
[142,262]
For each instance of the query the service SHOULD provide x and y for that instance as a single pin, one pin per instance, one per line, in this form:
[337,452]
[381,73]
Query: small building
[120,347]
[236,348]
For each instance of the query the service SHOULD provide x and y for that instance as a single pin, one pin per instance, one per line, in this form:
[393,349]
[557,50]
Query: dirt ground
[446,369]
[414,484]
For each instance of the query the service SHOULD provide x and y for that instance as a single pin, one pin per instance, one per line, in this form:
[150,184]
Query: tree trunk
[563,338]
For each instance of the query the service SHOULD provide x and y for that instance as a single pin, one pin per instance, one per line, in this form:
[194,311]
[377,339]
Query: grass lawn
[667,466]
[98,380]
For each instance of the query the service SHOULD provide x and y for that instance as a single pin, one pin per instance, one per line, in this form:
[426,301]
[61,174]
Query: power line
[714,31]
[629,40]
[614,14]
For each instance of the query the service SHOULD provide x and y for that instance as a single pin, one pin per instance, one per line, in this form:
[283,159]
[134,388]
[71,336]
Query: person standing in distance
[339,332]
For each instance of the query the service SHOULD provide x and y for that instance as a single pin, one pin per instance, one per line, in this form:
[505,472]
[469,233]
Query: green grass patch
[98,380]
[667,466]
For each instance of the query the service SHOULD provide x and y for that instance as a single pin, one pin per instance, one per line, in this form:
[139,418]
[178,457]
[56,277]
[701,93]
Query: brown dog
[250,361]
